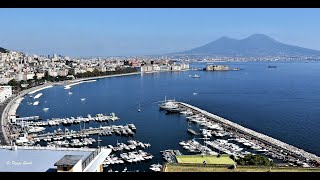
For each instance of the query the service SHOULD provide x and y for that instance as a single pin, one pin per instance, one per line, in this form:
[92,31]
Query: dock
[65,121]
[30,118]
[269,143]
[61,137]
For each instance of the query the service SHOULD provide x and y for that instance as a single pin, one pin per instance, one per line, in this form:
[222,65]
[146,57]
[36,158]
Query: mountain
[3,50]
[254,46]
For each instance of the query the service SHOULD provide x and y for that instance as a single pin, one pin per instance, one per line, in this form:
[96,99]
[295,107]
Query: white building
[63,72]
[40,75]
[5,93]
[156,67]
[146,68]
[52,72]
[175,68]
[48,159]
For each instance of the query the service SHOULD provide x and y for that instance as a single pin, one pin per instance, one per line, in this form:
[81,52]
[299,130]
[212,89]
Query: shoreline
[16,99]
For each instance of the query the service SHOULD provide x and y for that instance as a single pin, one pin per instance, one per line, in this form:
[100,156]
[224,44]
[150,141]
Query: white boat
[37,96]
[139,108]
[195,93]
[67,87]
[70,93]
[22,139]
[196,76]
[83,99]
[45,109]
[33,129]
[36,103]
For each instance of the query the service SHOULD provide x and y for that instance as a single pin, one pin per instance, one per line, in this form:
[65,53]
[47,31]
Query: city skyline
[135,32]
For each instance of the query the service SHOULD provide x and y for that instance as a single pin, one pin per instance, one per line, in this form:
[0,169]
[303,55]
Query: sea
[282,102]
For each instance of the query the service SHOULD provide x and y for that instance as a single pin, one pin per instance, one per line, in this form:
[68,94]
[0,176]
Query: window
[65,168]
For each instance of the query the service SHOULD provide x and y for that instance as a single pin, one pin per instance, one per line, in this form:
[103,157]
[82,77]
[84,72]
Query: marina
[154,126]
[67,121]
[254,140]
[66,137]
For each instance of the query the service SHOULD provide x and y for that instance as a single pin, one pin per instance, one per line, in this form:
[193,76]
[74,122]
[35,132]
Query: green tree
[14,83]
[255,160]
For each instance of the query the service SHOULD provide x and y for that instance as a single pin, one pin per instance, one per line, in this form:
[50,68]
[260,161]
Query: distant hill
[254,45]
[3,50]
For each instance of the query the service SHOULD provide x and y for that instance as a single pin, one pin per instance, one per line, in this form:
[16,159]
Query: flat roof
[69,160]
[98,160]
[36,159]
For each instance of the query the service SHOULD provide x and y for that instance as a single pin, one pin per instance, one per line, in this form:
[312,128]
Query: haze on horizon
[131,32]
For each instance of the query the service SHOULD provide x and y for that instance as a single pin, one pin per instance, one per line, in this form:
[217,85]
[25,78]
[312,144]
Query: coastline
[13,103]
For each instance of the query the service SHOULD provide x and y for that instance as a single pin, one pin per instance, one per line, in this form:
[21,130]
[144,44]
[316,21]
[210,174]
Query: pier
[269,143]
[61,137]
[65,121]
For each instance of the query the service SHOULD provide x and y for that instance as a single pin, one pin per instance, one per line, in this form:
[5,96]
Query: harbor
[163,130]
[256,141]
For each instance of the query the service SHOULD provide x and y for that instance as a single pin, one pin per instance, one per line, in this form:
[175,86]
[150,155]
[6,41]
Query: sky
[148,31]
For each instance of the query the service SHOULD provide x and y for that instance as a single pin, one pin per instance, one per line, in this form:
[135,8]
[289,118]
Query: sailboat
[139,108]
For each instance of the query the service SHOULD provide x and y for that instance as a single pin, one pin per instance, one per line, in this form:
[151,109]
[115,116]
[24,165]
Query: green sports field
[221,168]
[199,159]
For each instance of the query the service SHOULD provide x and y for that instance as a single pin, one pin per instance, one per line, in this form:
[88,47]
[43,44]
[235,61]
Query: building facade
[5,93]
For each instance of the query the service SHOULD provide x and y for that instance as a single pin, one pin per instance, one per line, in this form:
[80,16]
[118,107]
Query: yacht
[35,129]
[83,99]
[196,76]
[45,109]
[36,103]
[22,139]
[37,96]
[169,105]
[67,87]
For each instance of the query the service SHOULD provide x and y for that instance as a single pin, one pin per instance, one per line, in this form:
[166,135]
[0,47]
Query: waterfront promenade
[283,147]
[5,107]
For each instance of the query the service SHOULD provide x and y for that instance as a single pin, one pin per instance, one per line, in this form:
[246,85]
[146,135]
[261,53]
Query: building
[63,72]
[40,75]
[156,67]
[5,93]
[175,68]
[217,68]
[146,68]
[48,159]
[52,72]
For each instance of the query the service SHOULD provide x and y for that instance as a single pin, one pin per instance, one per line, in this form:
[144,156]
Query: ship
[168,104]
[196,76]
[191,131]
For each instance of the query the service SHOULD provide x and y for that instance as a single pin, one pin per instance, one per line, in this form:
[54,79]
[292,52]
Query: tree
[255,160]
[13,82]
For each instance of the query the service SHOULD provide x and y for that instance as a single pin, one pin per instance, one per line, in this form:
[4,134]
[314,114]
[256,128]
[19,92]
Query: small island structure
[219,68]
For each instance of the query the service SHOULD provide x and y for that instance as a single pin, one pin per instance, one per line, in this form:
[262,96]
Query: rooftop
[69,160]
[36,159]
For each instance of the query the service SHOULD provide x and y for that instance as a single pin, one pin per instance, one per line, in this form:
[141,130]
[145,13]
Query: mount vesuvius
[255,45]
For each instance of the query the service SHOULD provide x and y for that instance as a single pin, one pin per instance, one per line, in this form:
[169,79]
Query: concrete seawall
[261,137]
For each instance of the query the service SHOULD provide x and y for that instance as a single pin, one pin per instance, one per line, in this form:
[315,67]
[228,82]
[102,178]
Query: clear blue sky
[111,32]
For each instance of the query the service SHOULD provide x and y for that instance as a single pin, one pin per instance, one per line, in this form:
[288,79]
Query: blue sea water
[282,102]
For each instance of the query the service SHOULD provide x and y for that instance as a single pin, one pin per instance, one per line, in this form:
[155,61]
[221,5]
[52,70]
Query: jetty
[65,121]
[276,147]
[68,137]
